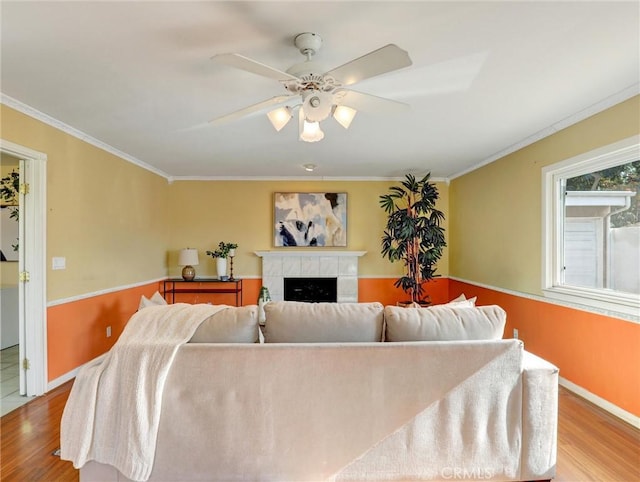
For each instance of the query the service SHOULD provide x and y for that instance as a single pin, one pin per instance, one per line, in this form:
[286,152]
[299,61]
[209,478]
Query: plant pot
[221,267]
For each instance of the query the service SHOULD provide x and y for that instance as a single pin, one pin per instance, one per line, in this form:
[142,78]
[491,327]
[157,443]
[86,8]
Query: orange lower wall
[603,359]
[76,331]
[383,291]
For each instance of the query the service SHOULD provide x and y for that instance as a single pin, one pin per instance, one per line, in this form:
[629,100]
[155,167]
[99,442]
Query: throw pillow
[444,323]
[462,302]
[296,322]
[156,299]
[231,325]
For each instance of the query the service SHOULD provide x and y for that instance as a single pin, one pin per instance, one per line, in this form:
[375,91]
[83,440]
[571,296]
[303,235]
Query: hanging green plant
[413,233]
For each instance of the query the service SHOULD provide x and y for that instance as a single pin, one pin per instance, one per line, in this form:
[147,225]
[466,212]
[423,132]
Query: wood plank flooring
[592,444]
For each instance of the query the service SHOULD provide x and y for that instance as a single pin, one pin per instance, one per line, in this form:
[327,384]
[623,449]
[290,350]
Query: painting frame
[310,219]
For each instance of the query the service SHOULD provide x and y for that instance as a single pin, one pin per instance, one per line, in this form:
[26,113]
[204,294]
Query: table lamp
[188,257]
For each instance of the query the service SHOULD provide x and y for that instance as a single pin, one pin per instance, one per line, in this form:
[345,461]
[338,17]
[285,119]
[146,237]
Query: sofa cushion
[231,325]
[297,322]
[444,323]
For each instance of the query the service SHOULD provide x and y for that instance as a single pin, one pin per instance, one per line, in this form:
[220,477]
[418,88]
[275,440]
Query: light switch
[58,263]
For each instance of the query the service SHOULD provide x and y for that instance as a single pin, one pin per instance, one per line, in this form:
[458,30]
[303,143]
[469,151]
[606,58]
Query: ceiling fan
[317,94]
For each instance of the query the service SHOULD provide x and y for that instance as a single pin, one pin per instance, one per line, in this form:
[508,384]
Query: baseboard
[614,410]
[61,380]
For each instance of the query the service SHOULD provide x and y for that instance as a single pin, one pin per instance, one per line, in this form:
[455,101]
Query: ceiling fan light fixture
[311,132]
[344,115]
[317,105]
[280,117]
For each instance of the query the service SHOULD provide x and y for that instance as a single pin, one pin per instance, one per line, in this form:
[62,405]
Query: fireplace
[314,290]
[339,266]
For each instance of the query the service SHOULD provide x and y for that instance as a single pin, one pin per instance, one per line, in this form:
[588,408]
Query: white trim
[606,405]
[593,109]
[84,296]
[32,259]
[296,178]
[64,378]
[608,302]
[565,304]
[72,131]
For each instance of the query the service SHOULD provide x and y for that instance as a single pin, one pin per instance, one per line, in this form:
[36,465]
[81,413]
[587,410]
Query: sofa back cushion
[444,323]
[230,325]
[297,322]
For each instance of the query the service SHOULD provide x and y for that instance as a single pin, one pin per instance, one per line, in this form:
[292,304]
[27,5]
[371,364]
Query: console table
[173,286]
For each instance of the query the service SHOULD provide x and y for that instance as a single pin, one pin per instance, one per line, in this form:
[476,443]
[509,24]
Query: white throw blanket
[113,411]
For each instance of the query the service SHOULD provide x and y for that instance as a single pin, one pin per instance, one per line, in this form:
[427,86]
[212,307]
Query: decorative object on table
[188,258]
[413,233]
[220,255]
[232,253]
[310,219]
[263,298]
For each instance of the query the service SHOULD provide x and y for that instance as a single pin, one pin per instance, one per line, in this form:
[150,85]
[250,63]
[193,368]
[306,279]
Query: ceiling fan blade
[385,59]
[245,63]
[280,99]
[370,103]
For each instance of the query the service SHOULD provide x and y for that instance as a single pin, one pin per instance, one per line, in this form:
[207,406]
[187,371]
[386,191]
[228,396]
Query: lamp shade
[280,117]
[344,115]
[188,257]
[311,132]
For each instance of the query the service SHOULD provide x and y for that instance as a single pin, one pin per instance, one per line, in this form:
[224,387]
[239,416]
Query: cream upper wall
[496,211]
[106,216]
[203,213]
[118,224]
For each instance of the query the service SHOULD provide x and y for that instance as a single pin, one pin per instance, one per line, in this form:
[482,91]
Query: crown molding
[593,109]
[72,131]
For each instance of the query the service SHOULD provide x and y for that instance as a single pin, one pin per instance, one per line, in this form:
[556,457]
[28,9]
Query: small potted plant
[413,234]
[220,255]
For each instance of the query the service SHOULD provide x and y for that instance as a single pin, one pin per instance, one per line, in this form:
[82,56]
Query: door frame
[32,299]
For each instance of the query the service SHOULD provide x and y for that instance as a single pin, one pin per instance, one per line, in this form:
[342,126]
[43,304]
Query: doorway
[31,268]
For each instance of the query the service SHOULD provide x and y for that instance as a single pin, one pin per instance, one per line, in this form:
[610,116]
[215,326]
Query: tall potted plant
[413,233]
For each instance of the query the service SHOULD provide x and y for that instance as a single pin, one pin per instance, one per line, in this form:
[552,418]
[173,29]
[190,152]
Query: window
[591,231]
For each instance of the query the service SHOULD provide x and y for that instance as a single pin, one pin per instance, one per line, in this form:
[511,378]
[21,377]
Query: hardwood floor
[592,444]
[30,434]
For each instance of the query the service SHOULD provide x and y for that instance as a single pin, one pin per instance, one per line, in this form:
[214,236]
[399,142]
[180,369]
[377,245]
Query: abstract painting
[310,219]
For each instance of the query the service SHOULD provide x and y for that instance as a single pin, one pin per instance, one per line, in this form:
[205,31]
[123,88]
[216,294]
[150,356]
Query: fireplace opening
[311,290]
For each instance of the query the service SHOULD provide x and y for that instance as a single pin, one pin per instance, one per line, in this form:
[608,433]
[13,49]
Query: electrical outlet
[108,331]
[515,333]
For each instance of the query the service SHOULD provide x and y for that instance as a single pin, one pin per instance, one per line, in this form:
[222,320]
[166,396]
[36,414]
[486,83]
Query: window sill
[626,306]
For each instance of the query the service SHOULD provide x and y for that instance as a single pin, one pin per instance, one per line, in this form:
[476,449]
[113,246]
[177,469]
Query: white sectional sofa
[323,398]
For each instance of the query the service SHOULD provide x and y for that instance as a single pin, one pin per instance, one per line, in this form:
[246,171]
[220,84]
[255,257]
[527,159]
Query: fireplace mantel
[302,263]
[308,252]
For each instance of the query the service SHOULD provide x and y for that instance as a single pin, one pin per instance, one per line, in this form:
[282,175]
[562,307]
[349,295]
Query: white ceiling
[487,77]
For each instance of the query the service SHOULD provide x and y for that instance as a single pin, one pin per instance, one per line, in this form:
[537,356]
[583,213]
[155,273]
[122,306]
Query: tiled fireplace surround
[281,264]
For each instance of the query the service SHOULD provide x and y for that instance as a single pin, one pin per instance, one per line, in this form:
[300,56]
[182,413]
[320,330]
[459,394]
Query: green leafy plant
[9,188]
[223,250]
[413,233]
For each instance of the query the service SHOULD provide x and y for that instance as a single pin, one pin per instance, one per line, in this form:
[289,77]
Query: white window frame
[613,303]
